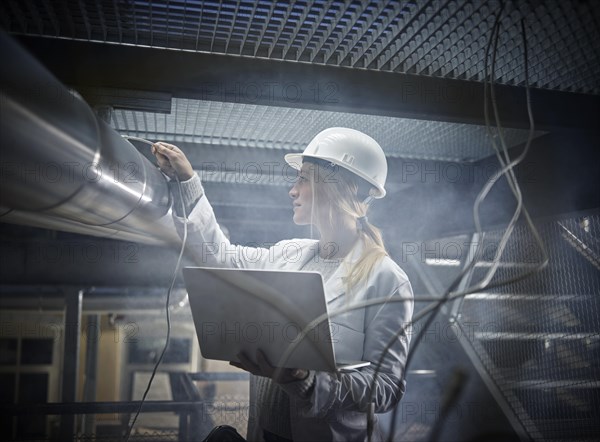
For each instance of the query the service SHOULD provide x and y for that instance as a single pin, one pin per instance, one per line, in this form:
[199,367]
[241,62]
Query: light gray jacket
[326,406]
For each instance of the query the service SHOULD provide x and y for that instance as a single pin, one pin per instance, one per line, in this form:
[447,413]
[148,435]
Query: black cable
[452,393]
[434,308]
[451,287]
[167,302]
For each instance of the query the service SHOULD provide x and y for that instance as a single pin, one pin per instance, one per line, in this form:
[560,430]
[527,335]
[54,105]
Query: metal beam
[70,369]
[91,368]
[269,163]
[76,408]
[281,83]
[143,101]
[96,300]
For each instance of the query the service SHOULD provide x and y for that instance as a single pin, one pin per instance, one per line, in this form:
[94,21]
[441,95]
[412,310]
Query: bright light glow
[442,262]
[184,301]
[422,371]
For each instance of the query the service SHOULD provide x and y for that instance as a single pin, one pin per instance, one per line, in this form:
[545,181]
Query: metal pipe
[37,219]
[62,167]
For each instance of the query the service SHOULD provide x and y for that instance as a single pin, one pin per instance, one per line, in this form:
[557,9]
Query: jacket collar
[309,248]
[335,286]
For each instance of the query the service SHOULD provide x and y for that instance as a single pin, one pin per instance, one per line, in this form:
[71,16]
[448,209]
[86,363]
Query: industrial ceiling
[409,39]
[423,37]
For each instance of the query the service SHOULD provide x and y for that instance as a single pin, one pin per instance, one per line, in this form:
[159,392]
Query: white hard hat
[350,149]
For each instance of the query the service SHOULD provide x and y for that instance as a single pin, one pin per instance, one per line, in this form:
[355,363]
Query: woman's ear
[363,190]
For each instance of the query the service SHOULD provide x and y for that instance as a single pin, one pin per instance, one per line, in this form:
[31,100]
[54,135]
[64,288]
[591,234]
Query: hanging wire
[168,299]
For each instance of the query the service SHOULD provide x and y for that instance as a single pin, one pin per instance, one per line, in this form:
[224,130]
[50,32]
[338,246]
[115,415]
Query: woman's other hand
[172,161]
[263,367]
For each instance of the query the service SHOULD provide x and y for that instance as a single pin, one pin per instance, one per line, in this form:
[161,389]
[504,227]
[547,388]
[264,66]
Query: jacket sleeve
[208,245]
[323,392]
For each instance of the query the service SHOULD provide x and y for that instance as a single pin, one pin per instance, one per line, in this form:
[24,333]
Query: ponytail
[342,196]
[373,252]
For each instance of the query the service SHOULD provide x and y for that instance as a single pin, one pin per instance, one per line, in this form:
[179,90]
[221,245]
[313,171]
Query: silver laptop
[239,310]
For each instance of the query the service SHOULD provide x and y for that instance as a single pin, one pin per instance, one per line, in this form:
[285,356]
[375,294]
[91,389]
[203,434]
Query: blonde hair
[340,189]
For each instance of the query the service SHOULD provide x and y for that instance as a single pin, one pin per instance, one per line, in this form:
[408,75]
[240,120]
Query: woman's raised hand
[172,161]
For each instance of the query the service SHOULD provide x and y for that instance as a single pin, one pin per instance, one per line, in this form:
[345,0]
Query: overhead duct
[63,168]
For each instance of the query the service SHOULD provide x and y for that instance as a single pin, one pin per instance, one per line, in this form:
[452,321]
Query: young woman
[339,173]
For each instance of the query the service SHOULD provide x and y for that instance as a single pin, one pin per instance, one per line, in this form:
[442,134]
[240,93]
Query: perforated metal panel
[438,38]
[539,339]
[245,125]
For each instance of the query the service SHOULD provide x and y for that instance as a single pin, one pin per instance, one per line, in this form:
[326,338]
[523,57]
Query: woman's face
[301,194]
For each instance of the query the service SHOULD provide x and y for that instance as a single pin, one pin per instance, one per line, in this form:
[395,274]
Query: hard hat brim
[295,160]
